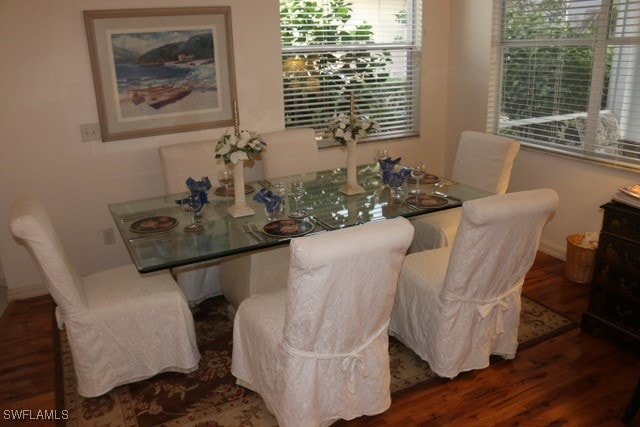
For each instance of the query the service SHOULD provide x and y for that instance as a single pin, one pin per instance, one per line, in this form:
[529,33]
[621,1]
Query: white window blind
[566,76]
[370,48]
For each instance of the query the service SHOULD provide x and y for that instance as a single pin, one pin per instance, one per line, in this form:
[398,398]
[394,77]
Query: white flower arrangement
[234,148]
[343,128]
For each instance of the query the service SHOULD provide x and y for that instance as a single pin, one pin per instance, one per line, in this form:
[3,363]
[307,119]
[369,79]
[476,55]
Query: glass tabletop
[153,228]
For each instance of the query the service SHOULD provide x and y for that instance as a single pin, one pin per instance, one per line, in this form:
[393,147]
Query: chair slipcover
[483,161]
[456,306]
[179,162]
[290,152]
[245,275]
[121,327]
[317,351]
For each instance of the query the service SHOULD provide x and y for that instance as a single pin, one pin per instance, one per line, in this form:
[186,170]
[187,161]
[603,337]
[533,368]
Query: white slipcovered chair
[458,305]
[244,275]
[179,162]
[484,161]
[317,351]
[122,327]
[288,152]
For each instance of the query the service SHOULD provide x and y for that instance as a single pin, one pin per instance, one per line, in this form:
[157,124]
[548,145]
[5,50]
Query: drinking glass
[225,177]
[279,188]
[296,190]
[380,154]
[192,203]
[272,212]
[397,193]
[417,171]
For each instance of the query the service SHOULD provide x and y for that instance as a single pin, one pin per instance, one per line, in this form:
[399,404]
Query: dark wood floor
[574,379]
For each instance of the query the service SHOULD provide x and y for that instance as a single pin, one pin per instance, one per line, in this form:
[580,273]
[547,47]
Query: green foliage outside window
[539,81]
[317,83]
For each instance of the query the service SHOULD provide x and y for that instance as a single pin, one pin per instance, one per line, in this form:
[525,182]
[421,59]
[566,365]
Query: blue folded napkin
[389,176]
[396,179]
[197,187]
[273,201]
[387,164]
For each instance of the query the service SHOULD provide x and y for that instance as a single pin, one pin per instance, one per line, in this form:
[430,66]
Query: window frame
[601,41]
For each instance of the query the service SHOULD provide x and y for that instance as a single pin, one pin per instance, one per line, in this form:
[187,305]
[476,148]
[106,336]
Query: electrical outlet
[90,132]
[108,237]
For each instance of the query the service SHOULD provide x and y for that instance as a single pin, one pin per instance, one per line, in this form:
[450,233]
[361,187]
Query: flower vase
[240,207]
[351,187]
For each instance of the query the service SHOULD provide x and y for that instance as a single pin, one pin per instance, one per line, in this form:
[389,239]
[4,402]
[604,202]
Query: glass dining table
[223,235]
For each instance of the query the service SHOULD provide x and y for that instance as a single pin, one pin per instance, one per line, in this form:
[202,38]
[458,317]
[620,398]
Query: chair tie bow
[485,307]
[352,361]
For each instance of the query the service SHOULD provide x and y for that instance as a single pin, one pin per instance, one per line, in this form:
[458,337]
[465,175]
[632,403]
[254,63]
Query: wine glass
[382,153]
[279,188]
[192,203]
[417,171]
[296,190]
[225,177]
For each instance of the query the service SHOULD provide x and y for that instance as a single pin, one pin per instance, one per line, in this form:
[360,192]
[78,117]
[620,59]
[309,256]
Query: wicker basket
[580,260]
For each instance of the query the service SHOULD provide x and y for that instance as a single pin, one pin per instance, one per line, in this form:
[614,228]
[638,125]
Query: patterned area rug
[210,397]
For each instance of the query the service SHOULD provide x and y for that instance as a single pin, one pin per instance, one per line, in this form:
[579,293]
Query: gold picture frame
[159,71]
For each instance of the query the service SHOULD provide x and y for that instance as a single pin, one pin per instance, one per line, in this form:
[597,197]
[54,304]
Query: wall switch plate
[108,237]
[90,132]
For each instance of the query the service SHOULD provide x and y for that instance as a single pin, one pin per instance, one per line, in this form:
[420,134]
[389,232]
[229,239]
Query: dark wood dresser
[614,301]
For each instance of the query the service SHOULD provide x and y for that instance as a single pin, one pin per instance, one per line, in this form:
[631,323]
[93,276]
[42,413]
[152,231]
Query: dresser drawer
[616,310]
[619,253]
[614,301]
[617,280]
[622,221]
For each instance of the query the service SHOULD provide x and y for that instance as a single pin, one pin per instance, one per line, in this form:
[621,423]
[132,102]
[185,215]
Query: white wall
[470,42]
[582,186]
[47,92]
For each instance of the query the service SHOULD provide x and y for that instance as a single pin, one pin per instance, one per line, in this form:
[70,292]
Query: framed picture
[158,71]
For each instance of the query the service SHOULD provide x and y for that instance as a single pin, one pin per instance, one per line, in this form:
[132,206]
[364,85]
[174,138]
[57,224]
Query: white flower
[343,129]
[223,149]
[236,156]
[234,148]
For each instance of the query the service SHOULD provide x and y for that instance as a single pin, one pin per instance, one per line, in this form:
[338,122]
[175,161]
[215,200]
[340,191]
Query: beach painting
[164,73]
[159,71]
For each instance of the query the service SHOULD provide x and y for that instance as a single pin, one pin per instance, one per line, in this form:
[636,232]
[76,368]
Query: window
[371,48]
[566,76]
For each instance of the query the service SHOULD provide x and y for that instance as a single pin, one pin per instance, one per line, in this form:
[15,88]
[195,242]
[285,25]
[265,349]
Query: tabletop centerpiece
[346,130]
[236,149]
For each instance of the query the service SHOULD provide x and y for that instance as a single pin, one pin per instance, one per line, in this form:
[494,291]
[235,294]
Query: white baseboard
[553,250]
[26,292]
